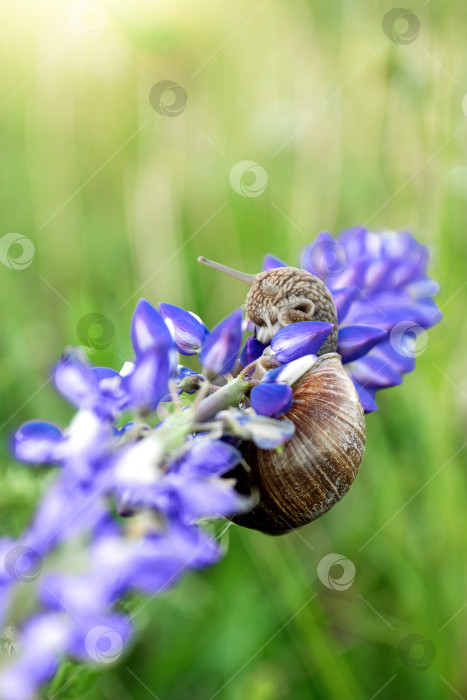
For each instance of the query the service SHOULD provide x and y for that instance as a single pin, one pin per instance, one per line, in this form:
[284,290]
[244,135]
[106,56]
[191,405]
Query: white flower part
[292,371]
[49,634]
[422,289]
[138,464]
[169,323]
[192,313]
[82,432]
[110,383]
[128,368]
[143,334]
[374,241]
[111,552]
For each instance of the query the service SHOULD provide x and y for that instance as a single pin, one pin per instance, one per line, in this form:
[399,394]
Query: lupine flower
[298,339]
[125,508]
[252,350]
[223,345]
[383,298]
[262,430]
[148,329]
[271,399]
[189,331]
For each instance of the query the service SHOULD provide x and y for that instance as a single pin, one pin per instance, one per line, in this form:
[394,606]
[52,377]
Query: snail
[319,463]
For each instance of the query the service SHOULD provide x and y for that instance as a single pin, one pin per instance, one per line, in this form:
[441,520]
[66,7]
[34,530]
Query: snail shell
[318,464]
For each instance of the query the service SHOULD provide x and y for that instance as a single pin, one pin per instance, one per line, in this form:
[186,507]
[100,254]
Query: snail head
[285,295]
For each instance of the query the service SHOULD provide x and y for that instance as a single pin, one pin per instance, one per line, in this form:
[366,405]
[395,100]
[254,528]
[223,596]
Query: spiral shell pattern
[318,464]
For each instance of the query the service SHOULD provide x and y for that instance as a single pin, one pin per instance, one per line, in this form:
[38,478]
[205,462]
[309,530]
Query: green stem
[232,394]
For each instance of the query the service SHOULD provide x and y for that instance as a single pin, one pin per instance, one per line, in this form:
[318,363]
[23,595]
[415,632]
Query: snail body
[317,466]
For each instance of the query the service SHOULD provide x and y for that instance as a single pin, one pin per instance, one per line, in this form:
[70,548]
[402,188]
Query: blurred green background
[118,200]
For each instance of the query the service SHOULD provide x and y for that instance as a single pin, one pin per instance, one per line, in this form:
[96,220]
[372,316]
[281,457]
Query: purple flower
[356,341]
[99,639]
[165,557]
[265,432]
[251,351]
[298,339]
[189,331]
[223,345]
[95,388]
[206,458]
[43,640]
[378,281]
[270,262]
[149,381]
[37,441]
[271,400]
[149,331]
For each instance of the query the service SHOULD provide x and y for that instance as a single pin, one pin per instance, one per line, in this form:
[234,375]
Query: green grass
[116,213]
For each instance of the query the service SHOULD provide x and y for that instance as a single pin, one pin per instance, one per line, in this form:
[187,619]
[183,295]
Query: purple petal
[271,400]
[355,341]
[423,288]
[43,641]
[104,373]
[203,498]
[149,382]
[298,339]
[189,331]
[265,432]
[208,458]
[388,311]
[354,242]
[402,363]
[343,299]
[149,330]
[36,441]
[271,263]
[60,516]
[223,345]
[163,559]
[366,398]
[374,373]
[99,639]
[251,351]
[325,257]
[74,378]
